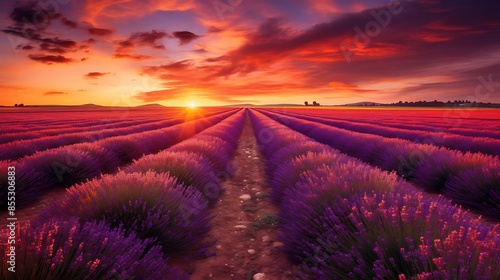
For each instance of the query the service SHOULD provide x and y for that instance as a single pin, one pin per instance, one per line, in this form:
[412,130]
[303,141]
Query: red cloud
[55,93]
[95,75]
[185,37]
[50,59]
[99,31]
[125,48]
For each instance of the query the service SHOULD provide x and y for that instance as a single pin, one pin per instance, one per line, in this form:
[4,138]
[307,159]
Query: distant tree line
[313,104]
[18,105]
[435,103]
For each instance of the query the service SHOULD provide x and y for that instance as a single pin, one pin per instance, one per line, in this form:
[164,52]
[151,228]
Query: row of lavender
[70,128]
[487,145]
[67,165]
[100,124]
[343,219]
[20,148]
[23,123]
[446,124]
[128,225]
[470,179]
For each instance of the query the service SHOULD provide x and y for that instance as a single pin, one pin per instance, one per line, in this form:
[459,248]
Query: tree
[15,105]
[306,103]
[315,103]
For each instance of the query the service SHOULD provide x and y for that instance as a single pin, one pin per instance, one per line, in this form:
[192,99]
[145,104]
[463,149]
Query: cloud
[55,93]
[50,59]
[176,66]
[152,39]
[145,39]
[69,23]
[96,11]
[90,41]
[30,21]
[25,47]
[56,45]
[31,13]
[99,31]
[185,37]
[95,75]
[138,57]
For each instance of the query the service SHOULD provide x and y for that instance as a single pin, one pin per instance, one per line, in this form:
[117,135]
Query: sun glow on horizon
[192,105]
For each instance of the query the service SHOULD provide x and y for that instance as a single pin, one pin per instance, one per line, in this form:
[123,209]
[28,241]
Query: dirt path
[245,229]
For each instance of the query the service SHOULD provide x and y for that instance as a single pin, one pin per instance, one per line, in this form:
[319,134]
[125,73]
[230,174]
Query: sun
[192,105]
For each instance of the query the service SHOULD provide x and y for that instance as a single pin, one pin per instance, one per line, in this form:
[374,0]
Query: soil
[232,259]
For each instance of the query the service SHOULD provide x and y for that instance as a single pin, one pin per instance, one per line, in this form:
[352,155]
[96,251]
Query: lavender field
[137,193]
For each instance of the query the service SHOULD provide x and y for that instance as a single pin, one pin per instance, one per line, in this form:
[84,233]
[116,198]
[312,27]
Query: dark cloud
[185,37]
[144,39]
[31,13]
[99,31]
[50,59]
[132,56]
[126,48]
[56,45]
[28,34]
[90,41]
[55,93]
[179,65]
[25,47]
[69,23]
[30,21]
[95,75]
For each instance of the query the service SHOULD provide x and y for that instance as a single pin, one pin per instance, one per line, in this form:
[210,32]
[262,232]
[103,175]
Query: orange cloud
[95,9]
[95,75]
[55,93]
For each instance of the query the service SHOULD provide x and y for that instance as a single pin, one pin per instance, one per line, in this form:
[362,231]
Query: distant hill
[363,103]
[90,106]
[153,105]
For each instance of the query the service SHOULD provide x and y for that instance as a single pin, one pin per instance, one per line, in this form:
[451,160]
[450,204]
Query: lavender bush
[288,173]
[150,205]
[435,170]
[385,235]
[190,169]
[477,189]
[216,152]
[292,151]
[124,149]
[67,249]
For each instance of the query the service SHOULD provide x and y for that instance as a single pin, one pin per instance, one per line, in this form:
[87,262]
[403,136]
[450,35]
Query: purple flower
[69,249]
[150,205]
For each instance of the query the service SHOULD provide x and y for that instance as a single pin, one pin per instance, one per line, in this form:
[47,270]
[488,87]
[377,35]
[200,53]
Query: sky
[219,52]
